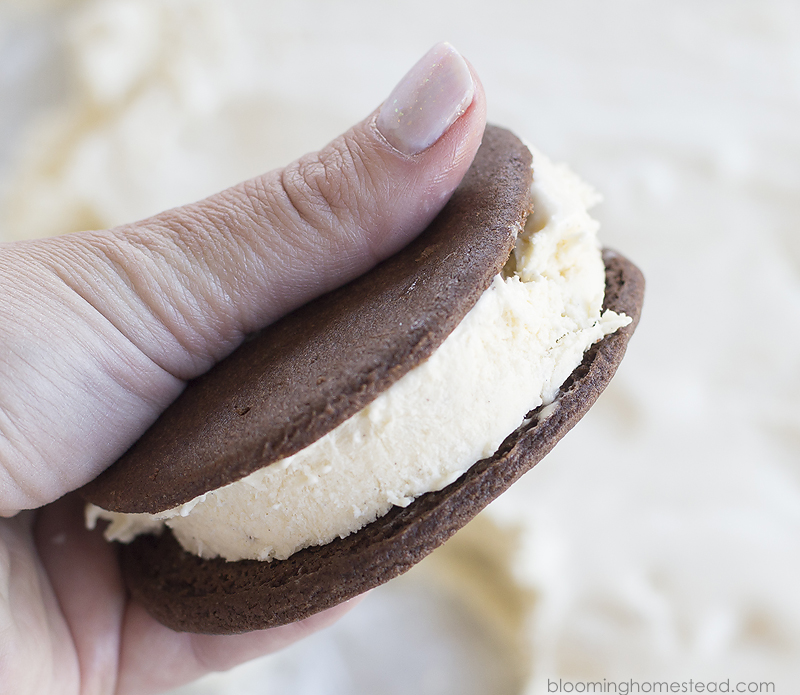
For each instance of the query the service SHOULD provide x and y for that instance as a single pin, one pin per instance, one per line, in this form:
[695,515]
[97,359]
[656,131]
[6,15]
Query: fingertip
[431,96]
[155,657]
[221,653]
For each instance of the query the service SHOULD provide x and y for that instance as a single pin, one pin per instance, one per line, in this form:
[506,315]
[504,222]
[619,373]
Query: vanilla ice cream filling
[510,354]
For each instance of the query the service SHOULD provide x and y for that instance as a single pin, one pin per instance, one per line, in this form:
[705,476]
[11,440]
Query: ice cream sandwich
[340,445]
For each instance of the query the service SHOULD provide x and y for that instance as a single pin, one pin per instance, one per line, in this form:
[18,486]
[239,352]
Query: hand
[99,332]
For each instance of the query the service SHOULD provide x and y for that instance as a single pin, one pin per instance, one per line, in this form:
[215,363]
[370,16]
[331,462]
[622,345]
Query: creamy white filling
[510,354]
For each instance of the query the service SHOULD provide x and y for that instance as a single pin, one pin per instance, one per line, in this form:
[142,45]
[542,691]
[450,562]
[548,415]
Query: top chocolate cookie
[302,376]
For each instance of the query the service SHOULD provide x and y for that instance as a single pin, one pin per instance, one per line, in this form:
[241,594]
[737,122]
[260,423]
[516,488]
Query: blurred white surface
[660,539]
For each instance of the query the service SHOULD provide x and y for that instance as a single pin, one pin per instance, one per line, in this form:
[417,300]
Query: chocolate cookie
[218,597]
[302,376]
[310,371]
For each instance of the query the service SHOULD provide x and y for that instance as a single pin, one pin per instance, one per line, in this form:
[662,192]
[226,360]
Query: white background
[661,539]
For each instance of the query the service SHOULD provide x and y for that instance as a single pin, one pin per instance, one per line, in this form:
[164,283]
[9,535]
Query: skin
[99,332]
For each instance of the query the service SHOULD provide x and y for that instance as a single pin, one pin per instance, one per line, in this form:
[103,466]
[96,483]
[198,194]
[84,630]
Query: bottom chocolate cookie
[188,593]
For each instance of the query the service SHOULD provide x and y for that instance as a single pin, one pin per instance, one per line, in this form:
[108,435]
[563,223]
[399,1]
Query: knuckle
[330,190]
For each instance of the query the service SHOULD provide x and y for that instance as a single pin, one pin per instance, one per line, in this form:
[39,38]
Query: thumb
[195,279]
[102,328]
